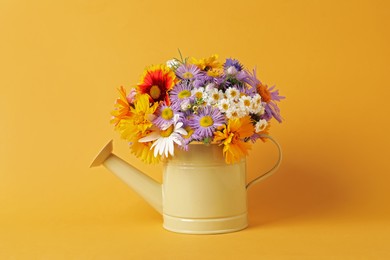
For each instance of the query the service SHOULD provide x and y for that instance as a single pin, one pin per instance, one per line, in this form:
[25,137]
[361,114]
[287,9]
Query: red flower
[156,82]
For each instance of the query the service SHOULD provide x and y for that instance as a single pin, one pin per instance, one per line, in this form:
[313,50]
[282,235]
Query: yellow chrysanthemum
[122,108]
[206,64]
[140,118]
[232,136]
[143,150]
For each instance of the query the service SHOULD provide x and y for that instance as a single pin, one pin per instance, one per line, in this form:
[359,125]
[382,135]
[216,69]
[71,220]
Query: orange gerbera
[233,138]
[122,107]
[156,81]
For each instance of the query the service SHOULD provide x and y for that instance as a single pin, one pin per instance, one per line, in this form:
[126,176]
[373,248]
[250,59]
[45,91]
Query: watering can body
[200,193]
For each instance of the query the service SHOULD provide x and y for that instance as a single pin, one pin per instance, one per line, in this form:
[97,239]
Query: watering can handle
[273,169]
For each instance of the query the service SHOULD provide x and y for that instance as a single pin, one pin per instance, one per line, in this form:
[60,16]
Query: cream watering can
[200,194]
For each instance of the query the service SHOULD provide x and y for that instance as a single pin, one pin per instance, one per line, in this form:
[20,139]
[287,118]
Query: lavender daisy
[269,96]
[206,121]
[202,80]
[233,63]
[189,137]
[188,71]
[180,92]
[165,116]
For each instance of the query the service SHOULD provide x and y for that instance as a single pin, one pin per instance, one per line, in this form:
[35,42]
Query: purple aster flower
[233,63]
[269,96]
[220,81]
[165,116]
[180,93]
[202,80]
[188,71]
[271,109]
[241,76]
[251,79]
[206,121]
[186,119]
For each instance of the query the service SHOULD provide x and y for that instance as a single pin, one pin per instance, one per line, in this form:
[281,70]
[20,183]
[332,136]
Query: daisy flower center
[184,94]
[188,75]
[198,95]
[247,102]
[206,121]
[167,132]
[155,92]
[167,113]
[225,106]
[216,96]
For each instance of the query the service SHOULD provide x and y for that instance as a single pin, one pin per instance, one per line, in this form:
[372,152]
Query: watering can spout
[141,183]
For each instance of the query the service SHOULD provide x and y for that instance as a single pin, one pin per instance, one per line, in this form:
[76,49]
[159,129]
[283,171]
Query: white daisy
[164,139]
[245,103]
[256,99]
[199,93]
[257,106]
[261,125]
[235,111]
[224,105]
[233,93]
[214,95]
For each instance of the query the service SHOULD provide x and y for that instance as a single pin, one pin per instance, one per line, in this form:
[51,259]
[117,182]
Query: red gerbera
[156,82]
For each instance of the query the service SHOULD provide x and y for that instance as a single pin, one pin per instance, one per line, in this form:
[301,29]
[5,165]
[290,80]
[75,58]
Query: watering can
[200,193]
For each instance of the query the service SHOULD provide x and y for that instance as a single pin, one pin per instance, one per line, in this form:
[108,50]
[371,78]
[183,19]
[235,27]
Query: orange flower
[122,108]
[156,82]
[140,119]
[233,138]
[264,92]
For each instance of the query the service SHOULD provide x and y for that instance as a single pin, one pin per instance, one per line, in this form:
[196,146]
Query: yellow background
[60,65]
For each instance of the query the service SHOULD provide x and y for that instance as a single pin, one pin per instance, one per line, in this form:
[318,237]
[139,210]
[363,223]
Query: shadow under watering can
[200,193]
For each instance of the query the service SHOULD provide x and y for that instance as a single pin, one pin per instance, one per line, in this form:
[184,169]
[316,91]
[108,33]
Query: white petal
[178,125]
[151,137]
[161,147]
[166,149]
[181,131]
[155,152]
[177,140]
[171,148]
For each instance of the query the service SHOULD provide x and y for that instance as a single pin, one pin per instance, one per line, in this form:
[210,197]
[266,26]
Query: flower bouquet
[195,100]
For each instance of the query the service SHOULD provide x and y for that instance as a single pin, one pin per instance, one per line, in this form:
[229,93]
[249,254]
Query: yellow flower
[122,108]
[143,150]
[214,73]
[140,118]
[206,64]
[233,137]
